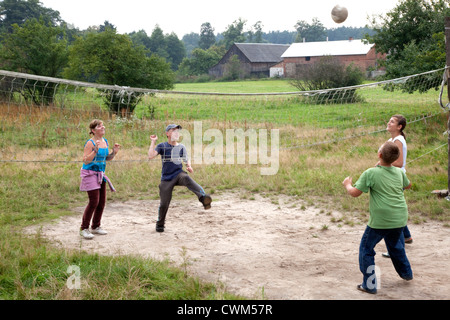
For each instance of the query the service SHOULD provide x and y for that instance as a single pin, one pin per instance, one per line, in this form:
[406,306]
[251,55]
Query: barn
[361,54]
[255,59]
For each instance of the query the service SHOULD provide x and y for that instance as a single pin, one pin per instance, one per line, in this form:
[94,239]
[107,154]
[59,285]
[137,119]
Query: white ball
[339,14]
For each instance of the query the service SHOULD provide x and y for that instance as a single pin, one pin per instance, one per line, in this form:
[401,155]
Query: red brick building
[346,51]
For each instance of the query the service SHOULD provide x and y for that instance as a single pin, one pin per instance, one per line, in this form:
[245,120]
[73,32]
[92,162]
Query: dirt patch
[263,248]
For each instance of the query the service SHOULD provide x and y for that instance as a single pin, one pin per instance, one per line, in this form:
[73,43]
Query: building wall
[364,62]
[220,69]
[246,67]
[276,72]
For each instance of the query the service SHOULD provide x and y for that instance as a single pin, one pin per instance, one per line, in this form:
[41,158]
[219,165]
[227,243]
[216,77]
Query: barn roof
[262,52]
[323,48]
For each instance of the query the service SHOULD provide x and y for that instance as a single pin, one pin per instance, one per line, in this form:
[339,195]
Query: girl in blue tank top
[94,180]
[99,161]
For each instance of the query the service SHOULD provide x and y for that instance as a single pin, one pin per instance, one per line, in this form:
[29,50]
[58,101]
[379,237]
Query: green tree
[140,38]
[158,43]
[410,33]
[234,34]
[36,48]
[207,37]
[190,41]
[310,32]
[344,33]
[254,34]
[106,25]
[200,61]
[416,58]
[168,47]
[71,32]
[175,50]
[19,11]
[279,37]
[111,58]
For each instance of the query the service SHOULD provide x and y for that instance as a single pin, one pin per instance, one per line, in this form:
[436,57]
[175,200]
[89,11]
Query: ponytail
[401,120]
[94,123]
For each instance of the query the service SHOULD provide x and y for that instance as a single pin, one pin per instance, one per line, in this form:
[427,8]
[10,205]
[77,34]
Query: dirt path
[262,249]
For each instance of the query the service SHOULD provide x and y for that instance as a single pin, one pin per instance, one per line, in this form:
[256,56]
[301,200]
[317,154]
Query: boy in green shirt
[388,215]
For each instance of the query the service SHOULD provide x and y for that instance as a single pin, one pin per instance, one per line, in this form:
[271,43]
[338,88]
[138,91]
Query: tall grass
[35,192]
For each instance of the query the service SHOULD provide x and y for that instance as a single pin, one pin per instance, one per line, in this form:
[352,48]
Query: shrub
[328,73]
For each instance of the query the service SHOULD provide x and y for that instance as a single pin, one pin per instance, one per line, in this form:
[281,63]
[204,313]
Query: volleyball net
[46,119]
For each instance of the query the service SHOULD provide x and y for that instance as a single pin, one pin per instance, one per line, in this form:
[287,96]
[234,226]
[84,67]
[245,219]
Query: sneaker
[159,228]
[361,288]
[85,233]
[206,200]
[386,255]
[99,231]
[408,240]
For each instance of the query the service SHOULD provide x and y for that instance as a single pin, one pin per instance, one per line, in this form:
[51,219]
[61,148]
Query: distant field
[375,107]
[248,86]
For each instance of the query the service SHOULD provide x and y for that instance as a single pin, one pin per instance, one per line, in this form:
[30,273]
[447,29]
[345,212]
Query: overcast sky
[185,16]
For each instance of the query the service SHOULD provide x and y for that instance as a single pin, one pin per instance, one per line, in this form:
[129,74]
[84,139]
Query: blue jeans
[395,243]
[406,232]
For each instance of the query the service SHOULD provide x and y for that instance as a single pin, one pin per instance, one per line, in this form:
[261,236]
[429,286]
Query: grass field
[34,192]
[247,86]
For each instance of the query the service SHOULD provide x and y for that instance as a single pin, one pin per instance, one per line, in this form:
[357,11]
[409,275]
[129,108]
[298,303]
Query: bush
[328,73]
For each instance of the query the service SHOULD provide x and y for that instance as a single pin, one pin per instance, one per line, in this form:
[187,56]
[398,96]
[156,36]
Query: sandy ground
[264,249]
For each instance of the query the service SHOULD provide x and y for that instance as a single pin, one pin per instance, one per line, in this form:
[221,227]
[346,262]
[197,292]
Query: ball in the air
[339,14]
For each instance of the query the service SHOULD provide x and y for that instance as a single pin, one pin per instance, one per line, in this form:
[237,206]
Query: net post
[447,49]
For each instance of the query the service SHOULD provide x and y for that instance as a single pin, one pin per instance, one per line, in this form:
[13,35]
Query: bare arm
[399,162]
[116,149]
[347,183]
[152,153]
[90,151]
[188,166]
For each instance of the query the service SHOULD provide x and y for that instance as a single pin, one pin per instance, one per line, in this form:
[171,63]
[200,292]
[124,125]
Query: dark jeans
[97,201]
[406,232]
[395,243]
[165,193]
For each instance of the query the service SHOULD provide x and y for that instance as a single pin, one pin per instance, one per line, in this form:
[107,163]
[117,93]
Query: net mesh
[45,119]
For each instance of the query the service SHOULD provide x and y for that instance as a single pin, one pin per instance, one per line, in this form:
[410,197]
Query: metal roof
[324,48]
[262,52]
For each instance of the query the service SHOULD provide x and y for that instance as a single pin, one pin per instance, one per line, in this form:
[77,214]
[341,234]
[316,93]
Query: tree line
[34,39]
[193,55]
